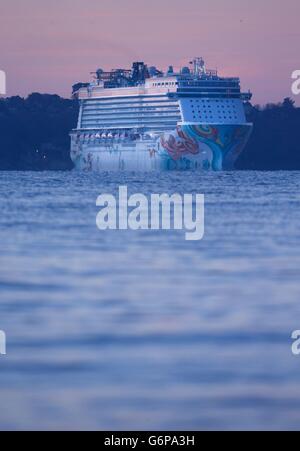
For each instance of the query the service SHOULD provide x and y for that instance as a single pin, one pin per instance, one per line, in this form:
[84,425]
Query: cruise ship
[145,119]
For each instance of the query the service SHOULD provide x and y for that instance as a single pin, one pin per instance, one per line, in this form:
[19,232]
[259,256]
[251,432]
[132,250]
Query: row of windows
[116,105]
[209,89]
[131,113]
[155,104]
[167,83]
[205,95]
[154,126]
[209,101]
[207,84]
[151,128]
[162,109]
[129,99]
[209,115]
[129,121]
[220,110]
[213,117]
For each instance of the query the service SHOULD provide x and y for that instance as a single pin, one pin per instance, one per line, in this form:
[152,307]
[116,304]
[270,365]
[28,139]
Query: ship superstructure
[145,119]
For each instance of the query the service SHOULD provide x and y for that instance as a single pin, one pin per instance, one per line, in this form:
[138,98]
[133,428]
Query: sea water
[129,330]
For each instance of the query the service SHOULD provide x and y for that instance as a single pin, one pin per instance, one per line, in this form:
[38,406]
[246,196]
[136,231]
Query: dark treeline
[34,134]
[275,140]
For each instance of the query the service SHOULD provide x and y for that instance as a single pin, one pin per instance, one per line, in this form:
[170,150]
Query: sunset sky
[46,46]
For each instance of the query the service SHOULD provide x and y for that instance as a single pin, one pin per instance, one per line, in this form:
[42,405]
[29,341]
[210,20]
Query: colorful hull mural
[189,147]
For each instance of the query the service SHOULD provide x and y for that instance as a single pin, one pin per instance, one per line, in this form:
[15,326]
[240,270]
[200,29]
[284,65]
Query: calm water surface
[144,330]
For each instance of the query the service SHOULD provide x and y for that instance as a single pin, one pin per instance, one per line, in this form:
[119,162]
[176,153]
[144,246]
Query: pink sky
[46,46]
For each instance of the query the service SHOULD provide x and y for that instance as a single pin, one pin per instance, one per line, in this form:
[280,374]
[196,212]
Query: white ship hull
[189,147]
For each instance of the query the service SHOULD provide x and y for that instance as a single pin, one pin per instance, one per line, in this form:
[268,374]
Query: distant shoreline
[34,134]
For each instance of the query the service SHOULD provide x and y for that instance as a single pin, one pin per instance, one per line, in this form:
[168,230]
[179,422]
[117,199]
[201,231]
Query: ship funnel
[198,66]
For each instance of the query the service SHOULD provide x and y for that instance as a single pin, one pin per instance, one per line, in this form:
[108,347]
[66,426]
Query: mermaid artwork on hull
[207,147]
[177,149]
[180,145]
